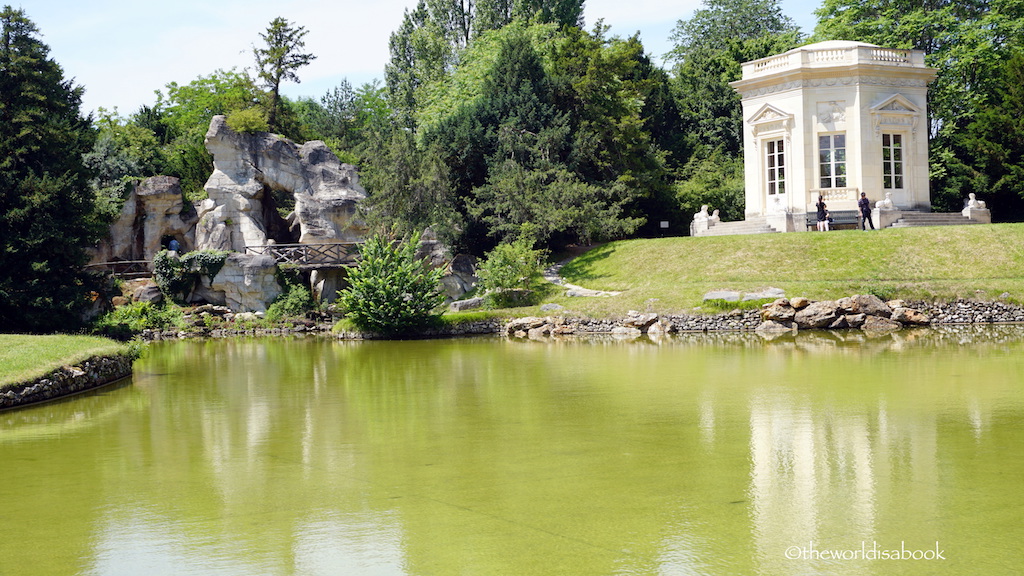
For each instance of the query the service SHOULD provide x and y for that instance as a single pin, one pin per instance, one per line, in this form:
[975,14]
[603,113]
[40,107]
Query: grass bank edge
[25,357]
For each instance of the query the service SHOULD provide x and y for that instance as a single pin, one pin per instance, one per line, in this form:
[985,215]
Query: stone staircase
[915,219]
[750,226]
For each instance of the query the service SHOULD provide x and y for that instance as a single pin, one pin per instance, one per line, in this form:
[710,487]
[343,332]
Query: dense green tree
[420,53]
[181,118]
[124,152]
[391,291]
[410,189]
[560,155]
[433,37]
[46,207]
[348,120]
[278,61]
[714,178]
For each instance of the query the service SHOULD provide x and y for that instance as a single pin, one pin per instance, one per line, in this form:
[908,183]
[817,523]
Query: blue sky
[124,50]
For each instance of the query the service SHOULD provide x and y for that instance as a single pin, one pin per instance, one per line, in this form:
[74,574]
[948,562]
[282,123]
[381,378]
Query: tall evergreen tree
[279,60]
[46,207]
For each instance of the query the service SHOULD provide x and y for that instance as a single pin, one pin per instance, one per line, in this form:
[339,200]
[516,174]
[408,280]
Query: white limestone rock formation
[248,168]
[154,211]
[247,283]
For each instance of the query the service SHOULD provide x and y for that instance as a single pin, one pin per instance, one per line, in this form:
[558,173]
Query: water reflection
[697,454]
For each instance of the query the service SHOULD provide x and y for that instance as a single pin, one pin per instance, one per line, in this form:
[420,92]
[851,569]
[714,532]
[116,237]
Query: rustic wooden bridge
[127,269]
[309,256]
[305,256]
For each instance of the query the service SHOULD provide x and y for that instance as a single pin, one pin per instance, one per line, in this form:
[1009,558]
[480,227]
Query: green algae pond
[706,455]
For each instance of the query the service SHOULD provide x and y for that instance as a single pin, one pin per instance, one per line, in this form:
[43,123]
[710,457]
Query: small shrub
[247,121]
[176,276]
[294,302]
[509,273]
[205,262]
[124,322]
[391,292]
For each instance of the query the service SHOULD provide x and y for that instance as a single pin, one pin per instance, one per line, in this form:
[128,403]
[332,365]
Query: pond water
[697,455]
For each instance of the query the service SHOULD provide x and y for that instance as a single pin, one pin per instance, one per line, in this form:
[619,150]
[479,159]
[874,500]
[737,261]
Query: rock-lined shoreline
[92,373]
[99,371]
[840,314]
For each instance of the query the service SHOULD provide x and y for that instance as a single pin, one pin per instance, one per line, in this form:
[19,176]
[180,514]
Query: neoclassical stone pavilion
[834,119]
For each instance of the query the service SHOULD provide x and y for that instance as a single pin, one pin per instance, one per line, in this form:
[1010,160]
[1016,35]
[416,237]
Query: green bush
[509,272]
[176,276]
[294,302]
[125,321]
[391,292]
[247,121]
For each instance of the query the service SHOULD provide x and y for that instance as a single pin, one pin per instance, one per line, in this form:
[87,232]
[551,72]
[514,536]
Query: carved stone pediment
[769,118]
[897,112]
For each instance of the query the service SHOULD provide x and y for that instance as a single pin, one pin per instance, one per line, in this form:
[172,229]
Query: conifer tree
[279,60]
[46,207]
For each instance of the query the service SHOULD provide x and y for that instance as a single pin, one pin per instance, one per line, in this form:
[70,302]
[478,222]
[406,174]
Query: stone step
[911,219]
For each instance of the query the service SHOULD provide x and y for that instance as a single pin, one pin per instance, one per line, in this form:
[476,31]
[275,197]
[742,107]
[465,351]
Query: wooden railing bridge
[127,269]
[334,255]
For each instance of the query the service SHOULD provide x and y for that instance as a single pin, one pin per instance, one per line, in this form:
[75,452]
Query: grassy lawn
[942,262]
[24,357]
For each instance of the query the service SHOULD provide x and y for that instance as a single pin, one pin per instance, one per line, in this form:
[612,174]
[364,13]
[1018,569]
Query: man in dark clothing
[865,211]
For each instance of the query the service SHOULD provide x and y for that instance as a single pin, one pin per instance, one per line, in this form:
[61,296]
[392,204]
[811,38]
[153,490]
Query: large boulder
[250,168]
[870,305]
[248,283]
[818,315]
[910,316]
[779,311]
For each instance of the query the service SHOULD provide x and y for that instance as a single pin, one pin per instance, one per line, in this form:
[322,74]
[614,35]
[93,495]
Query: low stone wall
[93,373]
[968,312]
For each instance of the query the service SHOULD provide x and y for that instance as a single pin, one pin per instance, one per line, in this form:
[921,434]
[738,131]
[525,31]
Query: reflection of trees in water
[680,451]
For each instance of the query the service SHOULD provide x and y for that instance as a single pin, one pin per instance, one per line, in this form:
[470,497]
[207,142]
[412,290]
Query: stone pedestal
[982,215]
[885,217]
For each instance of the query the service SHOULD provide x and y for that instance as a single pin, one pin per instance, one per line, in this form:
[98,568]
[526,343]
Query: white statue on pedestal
[976,209]
[700,221]
[885,204]
[973,203]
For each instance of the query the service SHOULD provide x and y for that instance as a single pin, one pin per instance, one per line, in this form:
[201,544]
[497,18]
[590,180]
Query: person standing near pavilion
[865,211]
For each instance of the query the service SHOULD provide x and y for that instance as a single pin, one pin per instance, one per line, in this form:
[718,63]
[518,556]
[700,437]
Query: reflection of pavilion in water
[834,478]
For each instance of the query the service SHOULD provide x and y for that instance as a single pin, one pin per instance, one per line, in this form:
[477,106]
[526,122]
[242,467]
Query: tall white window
[775,166]
[892,161]
[832,160]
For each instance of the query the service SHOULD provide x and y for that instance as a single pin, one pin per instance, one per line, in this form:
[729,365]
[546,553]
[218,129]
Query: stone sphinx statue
[700,221]
[885,204]
[714,218]
[976,209]
[973,203]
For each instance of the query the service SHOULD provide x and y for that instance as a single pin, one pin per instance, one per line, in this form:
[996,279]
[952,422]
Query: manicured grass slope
[942,262]
[24,357]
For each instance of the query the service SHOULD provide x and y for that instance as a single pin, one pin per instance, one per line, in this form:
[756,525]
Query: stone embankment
[867,313]
[93,373]
[861,312]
